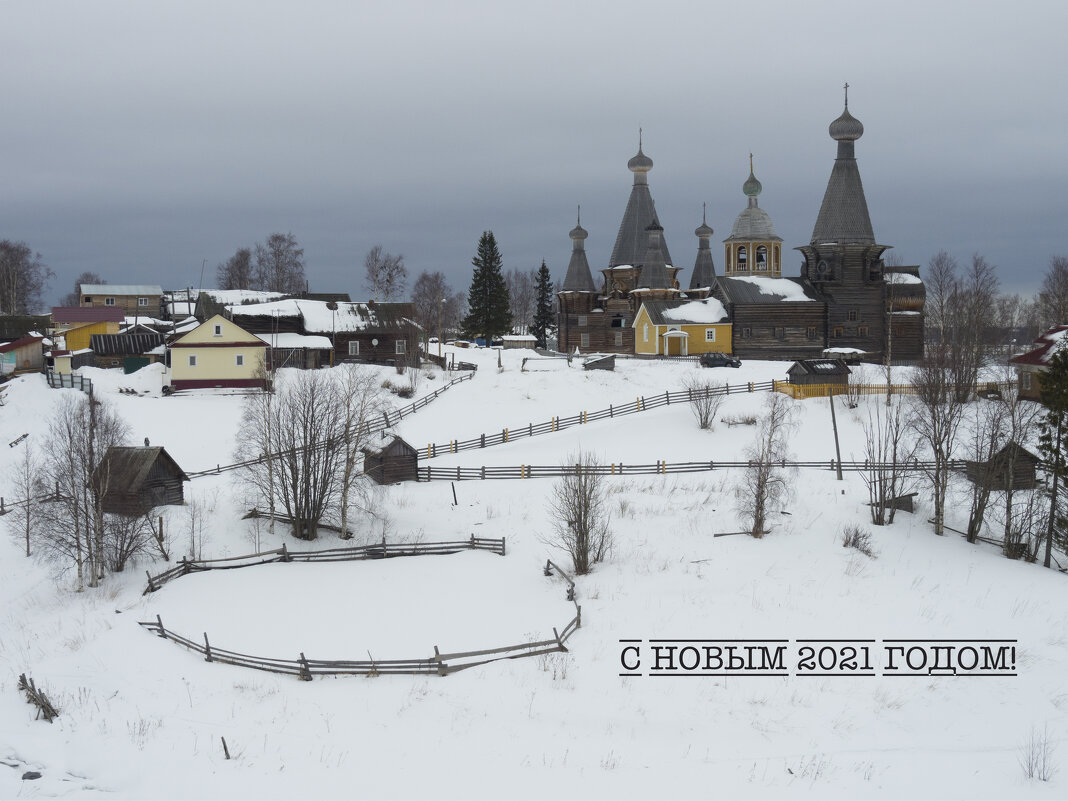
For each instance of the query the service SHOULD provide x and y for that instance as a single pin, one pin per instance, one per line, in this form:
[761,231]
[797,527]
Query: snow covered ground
[142,717]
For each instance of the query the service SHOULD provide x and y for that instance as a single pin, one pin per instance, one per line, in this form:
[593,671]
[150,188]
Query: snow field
[142,717]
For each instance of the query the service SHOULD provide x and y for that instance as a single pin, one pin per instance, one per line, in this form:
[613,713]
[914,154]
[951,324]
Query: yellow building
[77,338]
[218,353]
[682,328]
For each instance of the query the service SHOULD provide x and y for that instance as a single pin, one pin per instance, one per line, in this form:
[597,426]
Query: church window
[645,332]
[862,331]
[619,338]
[710,335]
[742,264]
[582,320]
[812,332]
[747,332]
[838,332]
[852,315]
[618,322]
[584,340]
[762,258]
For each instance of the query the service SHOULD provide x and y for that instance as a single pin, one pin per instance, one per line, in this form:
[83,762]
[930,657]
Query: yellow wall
[78,338]
[696,343]
[216,358]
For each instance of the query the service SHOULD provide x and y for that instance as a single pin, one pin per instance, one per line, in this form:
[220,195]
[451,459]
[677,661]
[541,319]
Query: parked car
[720,360]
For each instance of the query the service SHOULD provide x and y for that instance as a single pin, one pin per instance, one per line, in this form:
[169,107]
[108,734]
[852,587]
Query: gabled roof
[19,343]
[128,468]
[114,344]
[1043,349]
[121,289]
[88,314]
[685,312]
[819,367]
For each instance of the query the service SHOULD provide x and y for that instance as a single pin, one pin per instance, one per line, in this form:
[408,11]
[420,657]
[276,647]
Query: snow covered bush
[705,397]
[854,536]
[578,510]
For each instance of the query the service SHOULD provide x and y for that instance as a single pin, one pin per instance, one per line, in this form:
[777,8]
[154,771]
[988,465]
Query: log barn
[136,479]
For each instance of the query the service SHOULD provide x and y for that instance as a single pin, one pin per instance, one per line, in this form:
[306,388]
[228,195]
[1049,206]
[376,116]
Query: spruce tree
[487,300]
[542,324]
[1052,442]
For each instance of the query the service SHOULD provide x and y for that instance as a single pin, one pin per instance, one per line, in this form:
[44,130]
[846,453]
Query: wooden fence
[381,550]
[388,420]
[802,391]
[640,404]
[37,698]
[441,664]
[69,381]
[428,473]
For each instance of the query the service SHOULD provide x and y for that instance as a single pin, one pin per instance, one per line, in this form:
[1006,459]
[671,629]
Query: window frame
[400,347]
[109,301]
[239,360]
[354,343]
[216,330]
[710,335]
[583,321]
[142,301]
[584,340]
[619,339]
[191,360]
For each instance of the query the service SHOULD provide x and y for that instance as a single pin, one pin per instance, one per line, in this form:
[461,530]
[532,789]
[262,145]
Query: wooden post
[834,425]
[162,632]
[504,545]
[305,671]
[285,553]
[207,649]
[441,665]
[225,749]
[151,588]
[453,485]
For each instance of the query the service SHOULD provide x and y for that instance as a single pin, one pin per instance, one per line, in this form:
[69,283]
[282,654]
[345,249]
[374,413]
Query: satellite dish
[374,342]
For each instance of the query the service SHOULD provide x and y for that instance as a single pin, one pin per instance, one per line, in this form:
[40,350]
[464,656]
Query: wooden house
[681,327]
[143,299]
[131,351]
[390,460]
[218,353]
[1031,365]
[137,479]
[23,354]
[807,372]
[994,473]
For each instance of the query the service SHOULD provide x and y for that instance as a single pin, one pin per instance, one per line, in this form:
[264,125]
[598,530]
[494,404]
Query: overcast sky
[141,139]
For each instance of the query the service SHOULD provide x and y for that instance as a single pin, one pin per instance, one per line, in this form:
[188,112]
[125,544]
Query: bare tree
[29,486]
[362,400]
[986,431]
[936,417]
[280,264]
[764,482]
[128,536]
[939,284]
[74,297]
[437,308]
[386,275]
[705,397]
[236,272]
[578,511]
[23,278]
[888,449]
[969,315]
[521,297]
[1053,296]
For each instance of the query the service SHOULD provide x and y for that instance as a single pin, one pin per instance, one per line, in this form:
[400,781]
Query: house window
[1025,380]
[747,332]
[852,315]
[193,360]
[582,320]
[399,347]
[109,301]
[645,332]
[862,331]
[218,330]
[619,338]
[354,347]
[618,322]
[584,340]
[239,360]
[762,258]
[710,335]
[838,332]
[780,332]
[87,299]
[142,301]
[811,332]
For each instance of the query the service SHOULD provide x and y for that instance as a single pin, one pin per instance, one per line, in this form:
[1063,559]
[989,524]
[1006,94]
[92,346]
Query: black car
[719,360]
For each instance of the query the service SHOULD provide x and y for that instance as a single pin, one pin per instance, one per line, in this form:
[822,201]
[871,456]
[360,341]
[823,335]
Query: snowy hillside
[141,717]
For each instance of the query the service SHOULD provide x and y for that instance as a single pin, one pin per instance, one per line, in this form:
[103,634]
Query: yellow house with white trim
[682,328]
[218,353]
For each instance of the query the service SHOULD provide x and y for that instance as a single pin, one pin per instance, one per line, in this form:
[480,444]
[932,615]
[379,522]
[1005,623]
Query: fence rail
[441,664]
[640,404]
[803,391]
[388,420]
[429,473]
[381,550]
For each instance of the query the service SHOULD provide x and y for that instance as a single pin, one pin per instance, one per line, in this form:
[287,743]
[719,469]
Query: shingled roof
[129,467]
[632,240]
[843,216]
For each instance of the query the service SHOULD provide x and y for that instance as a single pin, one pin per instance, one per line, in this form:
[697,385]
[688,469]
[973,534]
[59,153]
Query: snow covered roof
[698,312]
[759,289]
[1044,348]
[901,278]
[348,317]
[296,341]
[820,367]
[235,296]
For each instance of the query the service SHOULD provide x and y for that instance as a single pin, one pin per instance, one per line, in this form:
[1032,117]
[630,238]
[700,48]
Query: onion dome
[752,186]
[846,128]
[704,230]
[578,232]
[641,163]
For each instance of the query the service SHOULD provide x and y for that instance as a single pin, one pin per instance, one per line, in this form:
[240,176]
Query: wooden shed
[390,460]
[819,371]
[136,479]
[993,474]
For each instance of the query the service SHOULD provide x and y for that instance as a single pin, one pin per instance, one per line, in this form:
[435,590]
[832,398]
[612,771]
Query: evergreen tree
[1052,441]
[542,324]
[487,300]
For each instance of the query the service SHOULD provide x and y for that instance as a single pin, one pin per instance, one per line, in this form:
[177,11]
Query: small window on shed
[399,348]
[354,347]
[142,301]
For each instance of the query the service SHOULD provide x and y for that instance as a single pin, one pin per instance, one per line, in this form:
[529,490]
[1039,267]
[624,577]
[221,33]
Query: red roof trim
[19,343]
